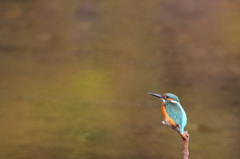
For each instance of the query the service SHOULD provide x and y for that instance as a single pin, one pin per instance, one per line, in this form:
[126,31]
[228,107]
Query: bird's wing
[174,112]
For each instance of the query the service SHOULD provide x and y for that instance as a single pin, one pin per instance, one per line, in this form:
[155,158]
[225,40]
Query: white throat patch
[173,101]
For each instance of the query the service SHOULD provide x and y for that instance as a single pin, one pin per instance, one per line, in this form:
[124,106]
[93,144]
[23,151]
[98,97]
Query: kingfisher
[173,111]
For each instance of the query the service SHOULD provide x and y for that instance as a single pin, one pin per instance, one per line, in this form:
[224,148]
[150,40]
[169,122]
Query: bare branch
[185,138]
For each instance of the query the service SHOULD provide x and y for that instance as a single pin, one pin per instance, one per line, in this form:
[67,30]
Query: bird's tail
[182,130]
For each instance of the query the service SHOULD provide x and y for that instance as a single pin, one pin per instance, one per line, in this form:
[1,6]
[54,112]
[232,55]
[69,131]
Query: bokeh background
[74,77]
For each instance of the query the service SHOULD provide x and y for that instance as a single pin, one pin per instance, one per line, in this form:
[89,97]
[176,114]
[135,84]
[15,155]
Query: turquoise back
[176,112]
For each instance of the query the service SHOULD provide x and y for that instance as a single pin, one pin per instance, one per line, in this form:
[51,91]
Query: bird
[173,111]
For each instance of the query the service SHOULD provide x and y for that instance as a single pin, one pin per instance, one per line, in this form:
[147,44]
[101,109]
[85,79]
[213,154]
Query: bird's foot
[169,122]
[185,135]
[166,122]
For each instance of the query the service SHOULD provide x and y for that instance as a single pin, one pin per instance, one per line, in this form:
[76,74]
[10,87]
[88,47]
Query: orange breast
[165,114]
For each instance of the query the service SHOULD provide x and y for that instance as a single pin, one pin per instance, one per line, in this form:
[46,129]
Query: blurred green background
[74,77]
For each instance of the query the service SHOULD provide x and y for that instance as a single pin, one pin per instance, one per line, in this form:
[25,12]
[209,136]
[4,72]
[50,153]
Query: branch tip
[185,136]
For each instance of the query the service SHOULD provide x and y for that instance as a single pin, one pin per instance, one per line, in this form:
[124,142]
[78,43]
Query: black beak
[156,95]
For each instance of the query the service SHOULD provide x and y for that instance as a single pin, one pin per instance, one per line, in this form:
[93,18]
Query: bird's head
[167,97]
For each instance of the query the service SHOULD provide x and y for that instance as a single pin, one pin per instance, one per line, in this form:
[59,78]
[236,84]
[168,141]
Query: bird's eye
[167,97]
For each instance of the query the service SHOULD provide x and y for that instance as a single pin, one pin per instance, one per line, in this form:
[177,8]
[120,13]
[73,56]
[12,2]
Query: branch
[185,138]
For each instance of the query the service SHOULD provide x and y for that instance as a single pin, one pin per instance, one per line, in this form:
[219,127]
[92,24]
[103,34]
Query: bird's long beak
[156,95]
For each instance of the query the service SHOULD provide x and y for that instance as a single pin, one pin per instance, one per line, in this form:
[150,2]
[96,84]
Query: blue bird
[173,111]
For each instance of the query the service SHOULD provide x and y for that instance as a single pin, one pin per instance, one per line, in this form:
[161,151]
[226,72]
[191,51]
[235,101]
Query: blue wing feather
[176,112]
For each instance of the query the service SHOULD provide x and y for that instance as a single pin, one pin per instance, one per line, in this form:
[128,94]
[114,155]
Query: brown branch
[185,138]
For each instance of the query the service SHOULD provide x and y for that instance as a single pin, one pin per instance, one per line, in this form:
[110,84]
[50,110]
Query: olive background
[74,77]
